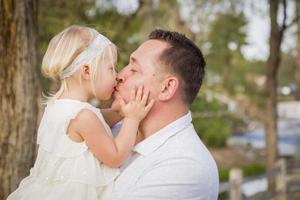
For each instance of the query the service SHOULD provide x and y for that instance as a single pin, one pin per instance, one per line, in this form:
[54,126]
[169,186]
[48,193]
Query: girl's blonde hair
[65,47]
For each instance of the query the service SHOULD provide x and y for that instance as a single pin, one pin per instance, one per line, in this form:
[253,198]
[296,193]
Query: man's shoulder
[185,147]
[186,143]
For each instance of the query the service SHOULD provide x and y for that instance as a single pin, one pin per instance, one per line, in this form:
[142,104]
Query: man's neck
[159,118]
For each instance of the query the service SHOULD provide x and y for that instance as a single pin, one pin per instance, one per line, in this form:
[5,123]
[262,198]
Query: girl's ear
[168,88]
[85,72]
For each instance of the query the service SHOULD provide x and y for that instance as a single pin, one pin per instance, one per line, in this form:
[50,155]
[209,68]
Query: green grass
[251,170]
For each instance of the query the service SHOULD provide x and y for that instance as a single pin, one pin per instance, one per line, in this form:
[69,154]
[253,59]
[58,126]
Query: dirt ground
[237,157]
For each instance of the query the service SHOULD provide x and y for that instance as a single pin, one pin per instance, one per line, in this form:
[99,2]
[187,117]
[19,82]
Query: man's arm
[180,178]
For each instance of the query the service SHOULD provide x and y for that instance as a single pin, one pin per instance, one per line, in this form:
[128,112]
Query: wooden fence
[287,180]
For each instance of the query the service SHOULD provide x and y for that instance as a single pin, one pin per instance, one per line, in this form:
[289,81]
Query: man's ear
[168,88]
[85,72]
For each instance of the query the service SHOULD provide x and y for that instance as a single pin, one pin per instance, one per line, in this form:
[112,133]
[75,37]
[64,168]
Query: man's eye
[133,70]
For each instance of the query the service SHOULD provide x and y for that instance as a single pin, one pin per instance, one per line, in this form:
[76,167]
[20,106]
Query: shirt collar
[153,142]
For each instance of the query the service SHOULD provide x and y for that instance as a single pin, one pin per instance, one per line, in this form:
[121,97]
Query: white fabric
[172,164]
[65,169]
[92,51]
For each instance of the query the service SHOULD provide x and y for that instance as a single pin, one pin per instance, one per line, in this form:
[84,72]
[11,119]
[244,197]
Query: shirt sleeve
[175,179]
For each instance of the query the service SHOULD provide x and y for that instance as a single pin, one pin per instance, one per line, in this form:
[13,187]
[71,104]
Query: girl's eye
[133,70]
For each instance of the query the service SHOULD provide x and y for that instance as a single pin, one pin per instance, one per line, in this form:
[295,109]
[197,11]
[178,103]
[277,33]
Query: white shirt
[172,164]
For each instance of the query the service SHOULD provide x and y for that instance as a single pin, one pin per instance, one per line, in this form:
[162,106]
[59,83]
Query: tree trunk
[297,74]
[271,89]
[175,20]
[19,91]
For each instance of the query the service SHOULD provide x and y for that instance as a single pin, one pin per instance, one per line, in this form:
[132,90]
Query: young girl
[77,156]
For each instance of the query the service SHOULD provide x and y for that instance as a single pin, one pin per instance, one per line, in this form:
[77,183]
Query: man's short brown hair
[185,59]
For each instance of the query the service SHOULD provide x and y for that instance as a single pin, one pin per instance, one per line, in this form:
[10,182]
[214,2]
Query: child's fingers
[139,93]
[149,106]
[132,94]
[145,96]
[121,100]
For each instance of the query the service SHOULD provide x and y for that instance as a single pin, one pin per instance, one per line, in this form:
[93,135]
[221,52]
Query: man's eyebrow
[133,59]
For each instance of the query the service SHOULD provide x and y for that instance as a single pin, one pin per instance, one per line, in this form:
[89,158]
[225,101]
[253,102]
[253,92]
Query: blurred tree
[289,70]
[53,17]
[227,36]
[297,74]
[62,14]
[19,91]
[213,130]
[273,63]
[172,19]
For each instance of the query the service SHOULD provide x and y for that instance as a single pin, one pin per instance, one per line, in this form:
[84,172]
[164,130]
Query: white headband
[95,48]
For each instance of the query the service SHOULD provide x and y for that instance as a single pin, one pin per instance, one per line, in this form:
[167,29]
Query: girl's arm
[111,117]
[113,152]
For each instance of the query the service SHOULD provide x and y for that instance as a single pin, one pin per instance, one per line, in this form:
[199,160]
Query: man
[170,162]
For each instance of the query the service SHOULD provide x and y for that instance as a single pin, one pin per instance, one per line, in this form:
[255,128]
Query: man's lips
[116,92]
[117,87]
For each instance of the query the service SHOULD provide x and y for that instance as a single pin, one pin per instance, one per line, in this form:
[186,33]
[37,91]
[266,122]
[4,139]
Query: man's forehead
[150,47]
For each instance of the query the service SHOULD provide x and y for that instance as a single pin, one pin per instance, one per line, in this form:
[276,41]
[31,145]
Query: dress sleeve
[53,137]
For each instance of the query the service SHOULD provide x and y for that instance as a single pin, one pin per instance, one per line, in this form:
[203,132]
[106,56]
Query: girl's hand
[136,108]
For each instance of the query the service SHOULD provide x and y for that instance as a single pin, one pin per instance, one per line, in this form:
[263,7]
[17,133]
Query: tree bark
[297,74]
[271,88]
[19,91]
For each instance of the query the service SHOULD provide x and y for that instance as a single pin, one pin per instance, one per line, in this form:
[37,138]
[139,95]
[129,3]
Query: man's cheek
[126,97]
[124,94]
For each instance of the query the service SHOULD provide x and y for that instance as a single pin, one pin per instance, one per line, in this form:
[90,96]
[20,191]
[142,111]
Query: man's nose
[121,76]
[120,79]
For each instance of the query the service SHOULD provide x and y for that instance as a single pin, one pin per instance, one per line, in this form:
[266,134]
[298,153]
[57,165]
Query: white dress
[64,169]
